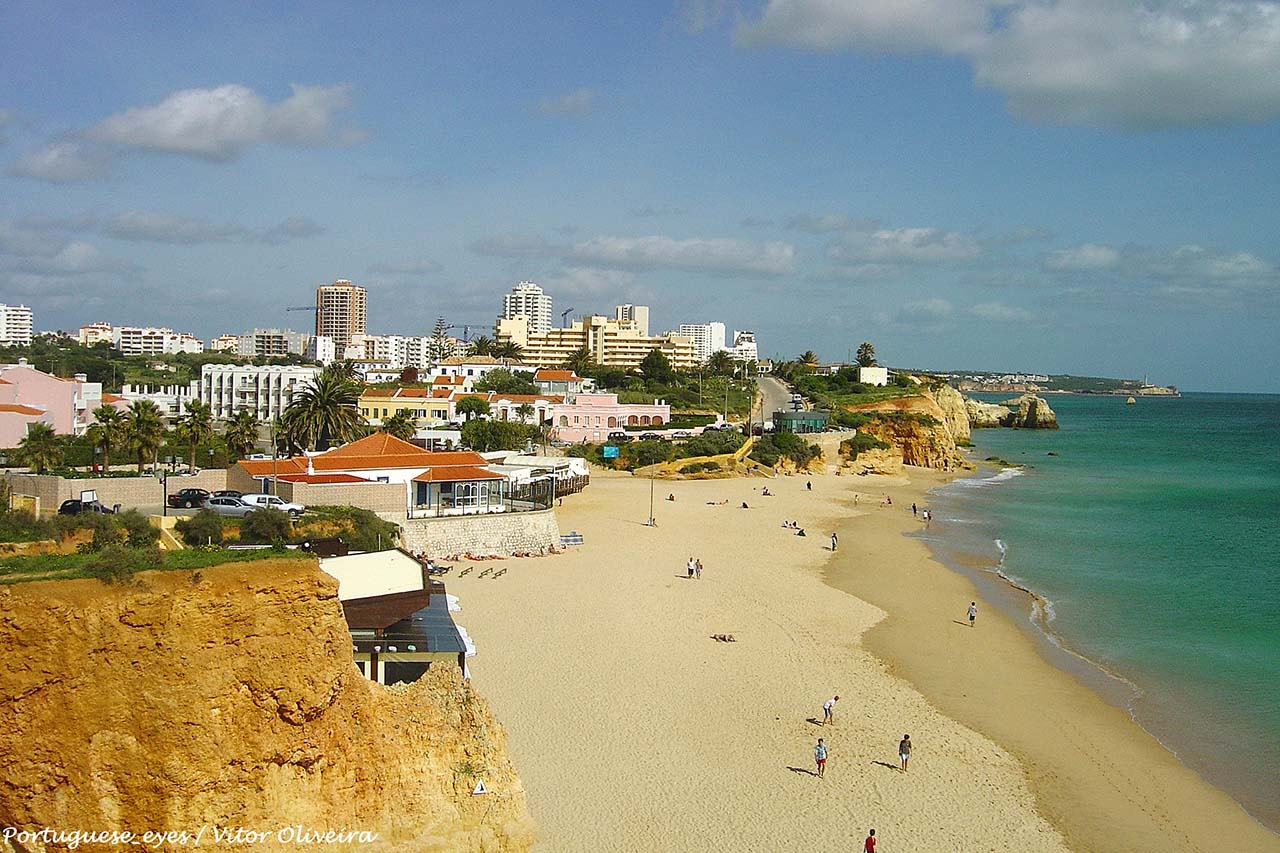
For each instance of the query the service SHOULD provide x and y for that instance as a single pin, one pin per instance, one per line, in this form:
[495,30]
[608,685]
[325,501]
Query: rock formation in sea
[228,697]
[954,412]
[1031,412]
[985,415]
[916,426]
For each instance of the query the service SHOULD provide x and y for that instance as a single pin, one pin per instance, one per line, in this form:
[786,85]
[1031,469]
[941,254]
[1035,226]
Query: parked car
[651,436]
[188,498]
[260,501]
[230,507]
[682,433]
[75,506]
[228,493]
[559,443]
[619,437]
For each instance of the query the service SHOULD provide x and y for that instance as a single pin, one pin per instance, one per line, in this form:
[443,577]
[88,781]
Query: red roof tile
[20,409]
[456,473]
[548,375]
[322,479]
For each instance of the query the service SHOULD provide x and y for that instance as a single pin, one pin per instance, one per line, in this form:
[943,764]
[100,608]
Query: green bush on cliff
[138,531]
[851,447]
[203,528]
[266,526]
[364,531]
[119,562]
[772,448]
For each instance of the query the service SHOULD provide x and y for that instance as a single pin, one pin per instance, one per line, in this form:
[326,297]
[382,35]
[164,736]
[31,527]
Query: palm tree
[325,411]
[506,351]
[809,357]
[109,427]
[241,434]
[523,411]
[580,361]
[145,431]
[401,425]
[41,448]
[196,426]
[481,345]
[721,363]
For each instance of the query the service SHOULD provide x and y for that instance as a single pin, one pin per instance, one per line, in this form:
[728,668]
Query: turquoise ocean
[1152,536]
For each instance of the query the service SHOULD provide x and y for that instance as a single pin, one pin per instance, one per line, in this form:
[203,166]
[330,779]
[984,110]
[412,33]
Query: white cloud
[589,280]
[932,309]
[869,25]
[63,161]
[1086,256]
[1109,62]
[999,312]
[904,246]
[220,124]
[147,227]
[572,105]
[1240,269]
[721,256]
[828,222]
[412,268]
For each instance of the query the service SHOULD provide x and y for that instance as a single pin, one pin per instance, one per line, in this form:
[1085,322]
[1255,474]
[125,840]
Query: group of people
[694,568]
[923,513]
[820,754]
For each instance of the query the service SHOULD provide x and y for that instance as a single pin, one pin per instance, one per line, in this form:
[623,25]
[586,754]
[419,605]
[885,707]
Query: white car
[230,507]
[260,501]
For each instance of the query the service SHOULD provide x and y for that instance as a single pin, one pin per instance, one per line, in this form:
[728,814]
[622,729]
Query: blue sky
[1076,186]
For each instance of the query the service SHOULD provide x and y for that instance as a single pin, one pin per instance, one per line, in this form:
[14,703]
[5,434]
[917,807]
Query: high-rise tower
[341,311]
[527,300]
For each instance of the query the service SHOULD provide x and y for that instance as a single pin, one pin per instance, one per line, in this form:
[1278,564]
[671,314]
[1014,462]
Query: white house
[873,375]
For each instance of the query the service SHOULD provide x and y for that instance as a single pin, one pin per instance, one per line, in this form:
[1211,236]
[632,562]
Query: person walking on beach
[827,708]
[973,612]
[913,509]
[689,567]
[820,756]
[809,485]
[869,846]
[697,569]
[834,542]
[904,752]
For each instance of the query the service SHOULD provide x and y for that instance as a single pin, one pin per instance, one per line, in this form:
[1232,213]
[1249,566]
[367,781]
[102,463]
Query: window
[564,420]
[613,422]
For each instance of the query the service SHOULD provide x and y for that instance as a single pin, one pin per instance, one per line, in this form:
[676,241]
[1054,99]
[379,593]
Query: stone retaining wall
[389,500]
[129,492]
[497,533]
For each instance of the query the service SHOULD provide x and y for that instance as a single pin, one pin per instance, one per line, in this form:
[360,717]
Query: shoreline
[1069,745]
[631,729]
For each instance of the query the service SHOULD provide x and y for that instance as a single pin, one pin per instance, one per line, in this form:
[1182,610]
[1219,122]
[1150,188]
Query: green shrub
[851,447]
[713,443]
[18,525]
[366,531]
[775,446]
[581,451]
[701,467]
[119,562]
[266,525]
[203,528]
[138,531]
[649,452]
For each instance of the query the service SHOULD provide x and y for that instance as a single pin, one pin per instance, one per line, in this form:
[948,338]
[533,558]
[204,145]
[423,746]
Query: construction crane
[564,317]
[466,329]
[302,308]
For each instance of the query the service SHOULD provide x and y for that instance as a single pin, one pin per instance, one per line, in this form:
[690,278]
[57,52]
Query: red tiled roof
[532,398]
[379,450]
[265,467]
[113,398]
[456,473]
[18,409]
[449,380]
[394,392]
[322,479]
[548,375]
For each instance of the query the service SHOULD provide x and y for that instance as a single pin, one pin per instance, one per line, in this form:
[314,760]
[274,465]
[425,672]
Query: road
[775,394]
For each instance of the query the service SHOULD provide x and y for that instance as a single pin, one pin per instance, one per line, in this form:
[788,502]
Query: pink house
[591,417]
[29,396]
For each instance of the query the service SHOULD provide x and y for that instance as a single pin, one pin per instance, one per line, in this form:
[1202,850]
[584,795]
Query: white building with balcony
[708,338]
[149,340]
[266,391]
[15,325]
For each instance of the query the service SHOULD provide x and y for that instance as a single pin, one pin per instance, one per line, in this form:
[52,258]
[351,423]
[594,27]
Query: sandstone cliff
[954,413]
[228,697]
[914,425]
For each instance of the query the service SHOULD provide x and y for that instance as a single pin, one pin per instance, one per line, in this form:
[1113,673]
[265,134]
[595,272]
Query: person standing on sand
[913,509]
[820,757]
[689,567]
[697,569]
[834,542]
[869,846]
[827,708]
[904,752]
[973,612]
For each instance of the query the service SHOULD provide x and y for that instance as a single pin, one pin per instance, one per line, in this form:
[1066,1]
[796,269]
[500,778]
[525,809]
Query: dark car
[188,498]
[227,493]
[75,506]
[651,436]
[619,438]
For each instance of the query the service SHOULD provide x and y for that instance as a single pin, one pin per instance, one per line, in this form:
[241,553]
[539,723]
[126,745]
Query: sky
[1059,186]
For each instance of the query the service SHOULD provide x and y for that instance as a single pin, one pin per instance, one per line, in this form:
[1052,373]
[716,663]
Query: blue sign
[609,451]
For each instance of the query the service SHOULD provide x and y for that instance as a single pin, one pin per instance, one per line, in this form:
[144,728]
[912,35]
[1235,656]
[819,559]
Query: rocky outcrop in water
[228,697]
[985,415]
[1031,412]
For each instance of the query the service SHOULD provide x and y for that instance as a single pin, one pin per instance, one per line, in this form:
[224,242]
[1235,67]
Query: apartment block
[611,342]
[96,333]
[707,338]
[266,391]
[526,300]
[271,343]
[341,311]
[150,340]
[15,325]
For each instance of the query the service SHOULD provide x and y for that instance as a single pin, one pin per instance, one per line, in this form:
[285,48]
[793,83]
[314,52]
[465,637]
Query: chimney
[22,362]
[82,377]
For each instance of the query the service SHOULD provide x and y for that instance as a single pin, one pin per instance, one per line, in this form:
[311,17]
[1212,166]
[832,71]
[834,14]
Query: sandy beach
[632,729]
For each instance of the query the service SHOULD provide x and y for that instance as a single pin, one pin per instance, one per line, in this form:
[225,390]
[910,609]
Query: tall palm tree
[580,361]
[481,345]
[809,357]
[145,431]
[325,411]
[40,448]
[524,410]
[401,425]
[196,426]
[720,363]
[109,428]
[506,351]
[241,433]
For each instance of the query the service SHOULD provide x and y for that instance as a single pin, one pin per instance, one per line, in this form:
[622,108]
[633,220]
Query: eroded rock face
[229,698]
[876,461]
[955,415]
[916,427]
[985,415]
[1032,412]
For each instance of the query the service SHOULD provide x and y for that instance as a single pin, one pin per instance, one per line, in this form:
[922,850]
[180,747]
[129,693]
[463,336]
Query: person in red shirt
[869,846]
